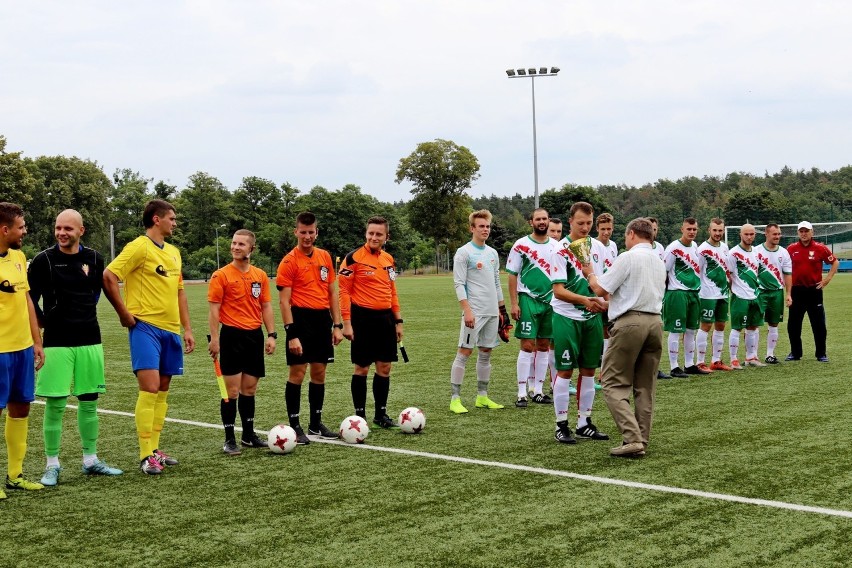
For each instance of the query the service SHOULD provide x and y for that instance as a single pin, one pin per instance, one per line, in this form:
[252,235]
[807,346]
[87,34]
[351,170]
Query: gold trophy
[582,249]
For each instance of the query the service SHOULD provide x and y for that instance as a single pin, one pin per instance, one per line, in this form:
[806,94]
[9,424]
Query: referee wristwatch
[338,326]
[272,334]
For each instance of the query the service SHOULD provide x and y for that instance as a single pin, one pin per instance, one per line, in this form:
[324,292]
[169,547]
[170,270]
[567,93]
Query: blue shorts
[155,348]
[17,376]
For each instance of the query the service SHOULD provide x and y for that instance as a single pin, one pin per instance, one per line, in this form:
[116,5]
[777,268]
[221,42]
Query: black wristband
[290,331]
[398,321]
[338,326]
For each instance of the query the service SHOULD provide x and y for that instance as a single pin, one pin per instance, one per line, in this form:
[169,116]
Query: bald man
[68,278]
[743,266]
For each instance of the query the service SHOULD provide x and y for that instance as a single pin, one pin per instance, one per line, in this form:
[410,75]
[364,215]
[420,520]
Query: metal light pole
[532,73]
[217,244]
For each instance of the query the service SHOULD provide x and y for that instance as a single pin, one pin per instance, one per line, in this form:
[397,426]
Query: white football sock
[561,398]
[701,347]
[457,373]
[718,344]
[689,348]
[541,364]
[483,372]
[752,338]
[734,343]
[771,341]
[585,399]
[525,360]
[674,349]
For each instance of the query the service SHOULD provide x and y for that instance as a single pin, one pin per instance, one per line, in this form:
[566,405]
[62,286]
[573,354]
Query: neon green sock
[53,412]
[87,424]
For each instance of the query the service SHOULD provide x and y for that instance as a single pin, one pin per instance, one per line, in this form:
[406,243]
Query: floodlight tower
[531,73]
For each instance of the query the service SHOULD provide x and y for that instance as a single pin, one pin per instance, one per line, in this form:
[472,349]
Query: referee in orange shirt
[371,318]
[240,299]
[310,309]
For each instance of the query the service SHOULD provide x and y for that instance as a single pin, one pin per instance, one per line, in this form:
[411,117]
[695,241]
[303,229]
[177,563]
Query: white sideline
[544,471]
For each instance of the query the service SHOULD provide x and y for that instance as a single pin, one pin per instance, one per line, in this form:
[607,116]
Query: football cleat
[678,373]
[385,421]
[823,358]
[662,375]
[590,432]
[792,357]
[457,406]
[301,439]
[231,448]
[754,362]
[771,359]
[100,468]
[323,432]
[51,476]
[150,466]
[563,434]
[521,402]
[696,370]
[21,483]
[705,367]
[482,401]
[164,458]
[254,442]
[542,399]
[719,366]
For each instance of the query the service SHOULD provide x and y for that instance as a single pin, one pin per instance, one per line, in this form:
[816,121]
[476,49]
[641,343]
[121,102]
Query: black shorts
[313,328]
[241,351]
[375,336]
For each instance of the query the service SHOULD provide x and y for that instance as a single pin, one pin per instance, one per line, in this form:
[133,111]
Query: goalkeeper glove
[505,325]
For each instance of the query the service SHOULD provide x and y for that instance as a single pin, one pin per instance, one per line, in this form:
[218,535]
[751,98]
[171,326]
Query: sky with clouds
[335,92]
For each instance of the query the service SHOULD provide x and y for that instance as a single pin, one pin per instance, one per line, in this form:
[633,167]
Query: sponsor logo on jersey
[161,270]
[85,268]
[255,289]
[7,287]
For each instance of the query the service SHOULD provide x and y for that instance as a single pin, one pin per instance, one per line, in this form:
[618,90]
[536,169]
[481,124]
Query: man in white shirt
[635,284]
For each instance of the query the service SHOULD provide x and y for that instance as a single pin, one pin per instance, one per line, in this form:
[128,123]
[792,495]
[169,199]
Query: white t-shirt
[636,281]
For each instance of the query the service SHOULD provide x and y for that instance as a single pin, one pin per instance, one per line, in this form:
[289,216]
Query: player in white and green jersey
[604,252]
[713,296]
[745,308]
[775,281]
[656,246]
[680,303]
[530,291]
[476,275]
[578,332]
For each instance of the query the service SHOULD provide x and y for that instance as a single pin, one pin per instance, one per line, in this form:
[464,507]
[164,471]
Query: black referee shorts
[313,328]
[241,351]
[375,336]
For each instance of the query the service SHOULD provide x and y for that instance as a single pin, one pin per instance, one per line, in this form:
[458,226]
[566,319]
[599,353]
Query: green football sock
[87,423]
[53,412]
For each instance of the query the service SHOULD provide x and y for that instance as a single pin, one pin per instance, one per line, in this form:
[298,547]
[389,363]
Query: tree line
[431,224]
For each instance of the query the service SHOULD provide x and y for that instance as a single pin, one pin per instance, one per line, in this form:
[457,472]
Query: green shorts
[745,313]
[772,305]
[680,310]
[535,319]
[713,310]
[82,366]
[577,344]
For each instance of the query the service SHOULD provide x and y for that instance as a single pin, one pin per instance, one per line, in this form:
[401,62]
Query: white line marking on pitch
[544,471]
